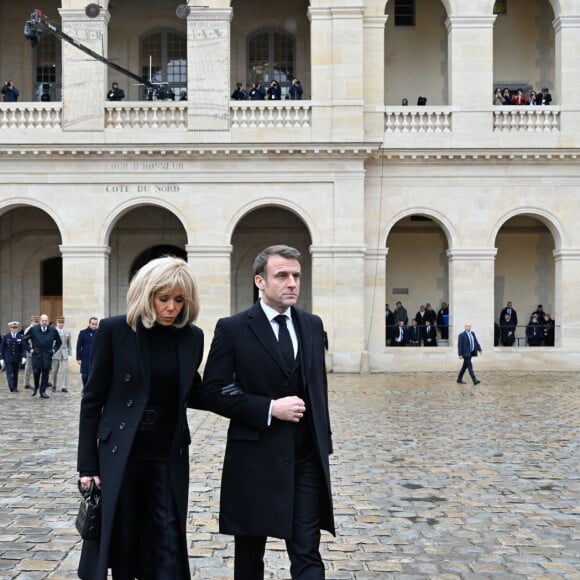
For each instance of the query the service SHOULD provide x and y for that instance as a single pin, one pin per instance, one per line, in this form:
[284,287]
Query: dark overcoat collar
[262,329]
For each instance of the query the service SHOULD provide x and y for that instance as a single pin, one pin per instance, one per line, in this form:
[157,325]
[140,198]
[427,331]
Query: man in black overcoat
[275,479]
[44,341]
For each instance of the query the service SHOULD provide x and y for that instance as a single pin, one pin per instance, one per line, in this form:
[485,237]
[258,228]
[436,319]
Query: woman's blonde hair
[168,274]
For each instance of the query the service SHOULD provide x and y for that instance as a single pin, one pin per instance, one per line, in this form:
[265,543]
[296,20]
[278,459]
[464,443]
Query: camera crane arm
[38,23]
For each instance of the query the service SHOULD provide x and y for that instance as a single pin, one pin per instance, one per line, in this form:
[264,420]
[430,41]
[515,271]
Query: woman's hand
[86,482]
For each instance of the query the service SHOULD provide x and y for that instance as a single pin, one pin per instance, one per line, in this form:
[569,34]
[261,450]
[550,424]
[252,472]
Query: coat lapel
[261,328]
[304,332]
[144,355]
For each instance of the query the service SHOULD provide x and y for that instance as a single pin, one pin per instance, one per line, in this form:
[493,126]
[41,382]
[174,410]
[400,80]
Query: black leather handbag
[88,522]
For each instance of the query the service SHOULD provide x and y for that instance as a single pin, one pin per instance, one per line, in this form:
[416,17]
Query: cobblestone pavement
[431,480]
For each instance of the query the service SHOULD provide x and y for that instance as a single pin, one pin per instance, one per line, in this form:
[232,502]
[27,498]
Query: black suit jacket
[112,406]
[43,345]
[258,474]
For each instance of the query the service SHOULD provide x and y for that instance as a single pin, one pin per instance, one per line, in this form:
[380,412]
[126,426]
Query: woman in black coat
[133,433]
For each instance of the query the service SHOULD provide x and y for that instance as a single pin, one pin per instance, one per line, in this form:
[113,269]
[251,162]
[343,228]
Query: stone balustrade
[283,115]
[267,114]
[418,119]
[33,115]
[526,119]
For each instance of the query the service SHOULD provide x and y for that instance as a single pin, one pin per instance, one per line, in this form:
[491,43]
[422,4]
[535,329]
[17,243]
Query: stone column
[321,72]
[347,73]
[208,69]
[471,293]
[211,267]
[83,77]
[567,89]
[567,281]
[85,284]
[470,72]
[375,293]
[374,75]
[337,287]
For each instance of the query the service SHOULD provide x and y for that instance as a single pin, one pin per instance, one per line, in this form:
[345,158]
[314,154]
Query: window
[164,60]
[271,57]
[47,78]
[404,12]
[500,7]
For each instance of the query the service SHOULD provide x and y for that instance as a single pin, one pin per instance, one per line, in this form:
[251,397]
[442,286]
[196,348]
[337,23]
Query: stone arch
[262,226]
[436,216]
[278,202]
[118,212]
[547,218]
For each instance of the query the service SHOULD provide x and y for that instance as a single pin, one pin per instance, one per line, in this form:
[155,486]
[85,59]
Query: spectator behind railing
[544,98]
[240,94]
[497,97]
[519,98]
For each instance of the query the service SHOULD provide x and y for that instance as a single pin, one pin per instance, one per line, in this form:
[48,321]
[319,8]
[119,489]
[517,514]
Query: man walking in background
[467,347]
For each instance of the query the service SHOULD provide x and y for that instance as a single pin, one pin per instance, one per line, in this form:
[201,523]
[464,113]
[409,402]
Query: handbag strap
[92,494]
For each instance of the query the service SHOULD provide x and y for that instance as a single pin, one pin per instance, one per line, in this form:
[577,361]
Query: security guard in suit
[12,355]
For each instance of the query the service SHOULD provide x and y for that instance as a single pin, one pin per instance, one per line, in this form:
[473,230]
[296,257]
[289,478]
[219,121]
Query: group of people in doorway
[539,329]
[422,330]
[265,372]
[43,349]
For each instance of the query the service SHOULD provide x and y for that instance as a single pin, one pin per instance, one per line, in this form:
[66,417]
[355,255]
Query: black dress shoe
[476,382]
[44,396]
[64,390]
[462,382]
[27,387]
[34,391]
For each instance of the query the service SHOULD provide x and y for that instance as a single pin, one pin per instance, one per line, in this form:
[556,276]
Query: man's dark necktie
[285,342]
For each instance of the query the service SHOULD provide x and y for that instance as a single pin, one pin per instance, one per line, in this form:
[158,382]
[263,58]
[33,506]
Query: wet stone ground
[431,480]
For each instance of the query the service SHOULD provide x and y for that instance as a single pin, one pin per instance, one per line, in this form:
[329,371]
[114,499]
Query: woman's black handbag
[88,522]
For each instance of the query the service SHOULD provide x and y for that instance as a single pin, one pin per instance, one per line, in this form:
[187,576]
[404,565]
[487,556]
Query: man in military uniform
[44,341]
[12,355]
[60,358]
[34,320]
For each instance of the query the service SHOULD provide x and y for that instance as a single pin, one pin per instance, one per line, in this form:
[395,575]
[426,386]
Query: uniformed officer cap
[60,319]
[35,318]
[14,324]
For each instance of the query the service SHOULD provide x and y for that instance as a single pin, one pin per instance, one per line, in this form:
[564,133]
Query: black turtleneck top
[157,428]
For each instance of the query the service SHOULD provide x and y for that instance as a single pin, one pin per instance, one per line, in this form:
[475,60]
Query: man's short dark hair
[261,260]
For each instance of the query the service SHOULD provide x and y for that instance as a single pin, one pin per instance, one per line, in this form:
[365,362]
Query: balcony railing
[526,119]
[418,119]
[33,115]
[146,115]
[266,114]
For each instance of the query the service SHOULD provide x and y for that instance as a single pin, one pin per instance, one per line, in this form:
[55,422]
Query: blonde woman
[133,433]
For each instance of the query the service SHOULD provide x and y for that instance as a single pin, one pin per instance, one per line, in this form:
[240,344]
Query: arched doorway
[257,230]
[524,271]
[31,265]
[139,235]
[417,271]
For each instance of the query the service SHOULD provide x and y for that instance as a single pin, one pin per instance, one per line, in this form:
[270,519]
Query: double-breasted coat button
[181,451]
[130,403]
[122,426]
[114,449]
[127,378]
[285,461]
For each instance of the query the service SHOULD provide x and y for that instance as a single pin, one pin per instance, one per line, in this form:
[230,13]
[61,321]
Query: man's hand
[2,364]
[288,409]
[23,361]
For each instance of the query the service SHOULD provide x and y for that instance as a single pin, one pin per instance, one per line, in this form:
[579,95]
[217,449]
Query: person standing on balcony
[507,97]
[274,92]
[258,92]
[520,98]
[240,94]
[498,97]
[10,92]
[544,98]
[115,94]
[295,91]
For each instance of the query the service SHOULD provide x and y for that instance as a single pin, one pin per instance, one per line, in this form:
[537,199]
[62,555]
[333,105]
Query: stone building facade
[458,201]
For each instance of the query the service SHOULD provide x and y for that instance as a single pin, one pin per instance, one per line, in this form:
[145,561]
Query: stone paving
[431,480]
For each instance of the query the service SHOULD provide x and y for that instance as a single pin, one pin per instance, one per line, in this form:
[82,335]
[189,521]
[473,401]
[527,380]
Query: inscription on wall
[146,166]
[142,188]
